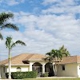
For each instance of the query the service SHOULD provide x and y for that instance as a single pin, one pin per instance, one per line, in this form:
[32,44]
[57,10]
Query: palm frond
[64,51]
[9,25]
[48,59]
[1,37]
[8,42]
[4,16]
[13,45]
[18,42]
[49,53]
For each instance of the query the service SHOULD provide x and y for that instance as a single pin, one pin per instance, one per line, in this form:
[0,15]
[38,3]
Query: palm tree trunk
[9,64]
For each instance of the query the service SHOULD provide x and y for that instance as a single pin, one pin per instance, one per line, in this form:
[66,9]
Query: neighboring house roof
[23,57]
[70,59]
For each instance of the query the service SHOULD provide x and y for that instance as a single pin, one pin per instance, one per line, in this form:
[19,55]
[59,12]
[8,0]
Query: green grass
[53,79]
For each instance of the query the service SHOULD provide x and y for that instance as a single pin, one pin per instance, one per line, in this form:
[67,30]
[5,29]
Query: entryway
[49,69]
[37,67]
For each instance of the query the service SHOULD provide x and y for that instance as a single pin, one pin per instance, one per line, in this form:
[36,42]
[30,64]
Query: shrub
[44,74]
[22,75]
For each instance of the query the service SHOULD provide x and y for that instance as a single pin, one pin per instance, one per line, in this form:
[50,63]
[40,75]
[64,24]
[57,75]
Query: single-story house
[68,66]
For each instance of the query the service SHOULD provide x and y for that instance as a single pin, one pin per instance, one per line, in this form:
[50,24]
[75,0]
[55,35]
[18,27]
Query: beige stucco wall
[2,71]
[23,68]
[70,70]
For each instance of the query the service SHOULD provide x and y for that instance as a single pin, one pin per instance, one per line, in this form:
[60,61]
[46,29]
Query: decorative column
[30,69]
[54,69]
[43,68]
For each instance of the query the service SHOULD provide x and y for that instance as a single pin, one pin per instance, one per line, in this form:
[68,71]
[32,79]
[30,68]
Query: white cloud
[46,2]
[47,31]
[61,6]
[62,2]
[11,2]
[44,32]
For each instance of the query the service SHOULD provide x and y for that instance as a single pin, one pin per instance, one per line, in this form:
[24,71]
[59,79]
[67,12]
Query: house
[24,62]
[68,66]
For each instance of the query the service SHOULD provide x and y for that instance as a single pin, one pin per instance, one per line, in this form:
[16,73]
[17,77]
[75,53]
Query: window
[18,69]
[63,67]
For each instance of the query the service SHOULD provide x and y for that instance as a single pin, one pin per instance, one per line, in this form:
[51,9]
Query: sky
[43,25]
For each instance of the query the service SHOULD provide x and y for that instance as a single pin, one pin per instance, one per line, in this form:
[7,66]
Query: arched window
[18,69]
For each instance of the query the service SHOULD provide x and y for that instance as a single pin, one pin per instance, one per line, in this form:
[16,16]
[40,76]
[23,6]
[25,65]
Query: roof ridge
[29,56]
[15,56]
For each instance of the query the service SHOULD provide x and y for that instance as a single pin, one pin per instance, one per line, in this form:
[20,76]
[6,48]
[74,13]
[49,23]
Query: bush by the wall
[22,75]
[45,74]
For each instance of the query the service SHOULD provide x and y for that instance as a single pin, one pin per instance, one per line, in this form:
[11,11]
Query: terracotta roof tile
[70,59]
[36,57]
[22,57]
[78,59]
[18,60]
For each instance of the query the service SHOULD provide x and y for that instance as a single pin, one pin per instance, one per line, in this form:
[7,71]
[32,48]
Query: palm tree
[9,45]
[53,55]
[50,56]
[56,55]
[3,22]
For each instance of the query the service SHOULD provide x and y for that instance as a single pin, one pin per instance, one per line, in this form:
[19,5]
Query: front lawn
[53,79]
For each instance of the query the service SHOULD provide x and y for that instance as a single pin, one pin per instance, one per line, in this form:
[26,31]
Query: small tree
[9,45]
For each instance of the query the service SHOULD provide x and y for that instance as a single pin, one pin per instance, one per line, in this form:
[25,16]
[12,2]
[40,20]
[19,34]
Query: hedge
[22,75]
[44,74]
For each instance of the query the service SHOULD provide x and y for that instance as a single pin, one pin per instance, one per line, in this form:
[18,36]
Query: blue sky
[44,25]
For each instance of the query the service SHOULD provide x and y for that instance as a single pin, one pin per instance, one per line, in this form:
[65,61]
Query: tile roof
[18,60]
[23,57]
[70,59]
